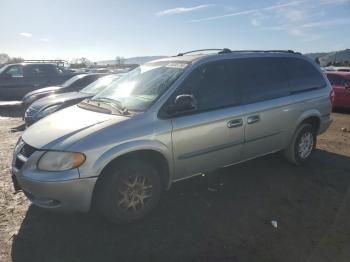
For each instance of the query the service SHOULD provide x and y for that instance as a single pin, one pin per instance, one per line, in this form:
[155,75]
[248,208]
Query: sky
[104,29]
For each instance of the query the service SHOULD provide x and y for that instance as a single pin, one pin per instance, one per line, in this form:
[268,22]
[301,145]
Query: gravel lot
[311,205]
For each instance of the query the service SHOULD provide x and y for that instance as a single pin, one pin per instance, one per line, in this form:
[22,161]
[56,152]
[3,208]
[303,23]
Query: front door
[212,135]
[12,82]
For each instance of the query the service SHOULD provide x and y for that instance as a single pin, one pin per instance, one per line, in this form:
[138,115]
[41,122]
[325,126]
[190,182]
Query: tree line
[82,62]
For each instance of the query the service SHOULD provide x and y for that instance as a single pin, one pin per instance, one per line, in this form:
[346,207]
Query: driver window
[211,86]
[15,71]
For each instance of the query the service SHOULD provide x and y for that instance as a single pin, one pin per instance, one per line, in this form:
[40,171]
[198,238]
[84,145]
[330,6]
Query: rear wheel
[302,145]
[129,191]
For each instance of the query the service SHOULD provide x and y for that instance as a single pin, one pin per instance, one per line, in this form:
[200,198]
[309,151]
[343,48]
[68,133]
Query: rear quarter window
[303,76]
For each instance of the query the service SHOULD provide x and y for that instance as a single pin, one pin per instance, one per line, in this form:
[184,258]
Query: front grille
[19,163]
[27,150]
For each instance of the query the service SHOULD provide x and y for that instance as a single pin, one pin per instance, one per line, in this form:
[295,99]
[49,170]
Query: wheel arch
[311,116]
[154,152]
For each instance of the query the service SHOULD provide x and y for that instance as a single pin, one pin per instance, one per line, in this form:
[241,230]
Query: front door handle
[235,123]
[253,119]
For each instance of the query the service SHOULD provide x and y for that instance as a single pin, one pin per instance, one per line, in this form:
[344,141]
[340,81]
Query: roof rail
[59,62]
[221,51]
[226,51]
[264,51]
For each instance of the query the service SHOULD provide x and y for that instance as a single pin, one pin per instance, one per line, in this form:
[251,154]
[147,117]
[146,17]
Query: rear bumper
[325,122]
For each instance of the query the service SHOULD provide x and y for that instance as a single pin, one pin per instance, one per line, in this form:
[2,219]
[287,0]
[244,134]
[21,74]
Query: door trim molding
[209,150]
[262,137]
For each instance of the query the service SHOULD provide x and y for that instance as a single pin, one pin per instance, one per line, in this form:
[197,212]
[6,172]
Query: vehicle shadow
[11,110]
[194,224]
[341,110]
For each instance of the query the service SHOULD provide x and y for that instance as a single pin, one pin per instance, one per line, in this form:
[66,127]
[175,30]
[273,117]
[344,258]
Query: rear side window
[39,70]
[212,87]
[303,76]
[260,79]
[48,70]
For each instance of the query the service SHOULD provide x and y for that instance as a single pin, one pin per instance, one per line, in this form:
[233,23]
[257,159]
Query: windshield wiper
[113,103]
[87,105]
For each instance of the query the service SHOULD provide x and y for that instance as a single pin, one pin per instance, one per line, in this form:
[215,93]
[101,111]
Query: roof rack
[59,62]
[226,51]
[221,51]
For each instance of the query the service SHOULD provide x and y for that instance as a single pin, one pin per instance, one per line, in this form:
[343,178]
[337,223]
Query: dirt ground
[311,205]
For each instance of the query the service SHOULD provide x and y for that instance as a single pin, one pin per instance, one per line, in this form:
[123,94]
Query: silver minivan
[168,120]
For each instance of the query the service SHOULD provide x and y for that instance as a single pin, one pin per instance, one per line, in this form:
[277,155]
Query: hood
[58,99]
[43,90]
[63,124]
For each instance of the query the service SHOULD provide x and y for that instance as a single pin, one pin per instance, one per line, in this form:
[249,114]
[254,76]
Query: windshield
[138,89]
[2,69]
[72,80]
[99,84]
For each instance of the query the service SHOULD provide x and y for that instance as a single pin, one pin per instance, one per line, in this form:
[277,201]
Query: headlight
[18,143]
[48,110]
[60,161]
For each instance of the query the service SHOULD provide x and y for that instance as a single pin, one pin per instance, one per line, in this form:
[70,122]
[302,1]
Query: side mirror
[182,103]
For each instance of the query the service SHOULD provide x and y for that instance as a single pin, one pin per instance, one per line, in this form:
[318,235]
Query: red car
[340,82]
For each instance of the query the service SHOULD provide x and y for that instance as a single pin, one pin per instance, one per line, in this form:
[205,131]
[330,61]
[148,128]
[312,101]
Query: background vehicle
[343,68]
[75,83]
[47,105]
[168,120]
[340,82]
[16,80]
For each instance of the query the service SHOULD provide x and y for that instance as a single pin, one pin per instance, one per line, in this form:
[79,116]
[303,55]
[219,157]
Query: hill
[331,57]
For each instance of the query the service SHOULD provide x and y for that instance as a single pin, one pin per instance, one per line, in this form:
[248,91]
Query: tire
[121,187]
[298,152]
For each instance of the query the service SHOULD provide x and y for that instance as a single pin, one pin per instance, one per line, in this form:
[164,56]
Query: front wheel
[128,191]
[302,145]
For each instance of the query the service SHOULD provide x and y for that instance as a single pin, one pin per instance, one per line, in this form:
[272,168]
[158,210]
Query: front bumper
[63,190]
[69,195]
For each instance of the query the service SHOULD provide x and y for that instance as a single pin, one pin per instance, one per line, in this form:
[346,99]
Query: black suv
[16,80]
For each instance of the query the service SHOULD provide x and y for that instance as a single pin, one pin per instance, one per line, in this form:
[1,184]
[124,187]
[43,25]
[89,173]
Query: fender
[302,117]
[134,146]
[307,114]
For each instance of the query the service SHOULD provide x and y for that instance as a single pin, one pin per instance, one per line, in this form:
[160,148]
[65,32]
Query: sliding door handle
[253,119]
[235,123]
